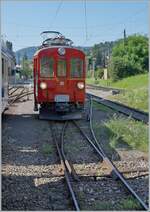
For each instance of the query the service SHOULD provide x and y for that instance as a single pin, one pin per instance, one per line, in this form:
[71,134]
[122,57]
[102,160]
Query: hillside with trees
[122,58]
[30,51]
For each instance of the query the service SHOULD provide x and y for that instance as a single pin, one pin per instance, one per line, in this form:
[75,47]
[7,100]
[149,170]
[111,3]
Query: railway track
[98,148]
[18,93]
[68,170]
[97,87]
[126,110]
[115,172]
[67,167]
[70,173]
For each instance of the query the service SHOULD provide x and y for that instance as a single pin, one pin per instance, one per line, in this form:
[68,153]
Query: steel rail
[19,94]
[67,163]
[113,168]
[66,171]
[126,110]
[22,94]
[10,88]
[19,97]
[97,87]
[13,91]
[110,163]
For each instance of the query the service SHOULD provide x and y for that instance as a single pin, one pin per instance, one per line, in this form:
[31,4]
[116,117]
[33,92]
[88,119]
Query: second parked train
[7,65]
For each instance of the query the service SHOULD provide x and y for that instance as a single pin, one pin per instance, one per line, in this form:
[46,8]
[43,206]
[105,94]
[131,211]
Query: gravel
[33,179]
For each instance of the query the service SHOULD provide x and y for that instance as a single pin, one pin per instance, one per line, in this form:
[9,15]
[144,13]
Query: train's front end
[59,82]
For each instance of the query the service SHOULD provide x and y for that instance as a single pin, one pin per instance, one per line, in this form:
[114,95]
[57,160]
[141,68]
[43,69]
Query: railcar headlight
[43,85]
[61,51]
[80,85]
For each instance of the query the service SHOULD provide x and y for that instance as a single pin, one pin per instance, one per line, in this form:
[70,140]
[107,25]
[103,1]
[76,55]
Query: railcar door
[62,92]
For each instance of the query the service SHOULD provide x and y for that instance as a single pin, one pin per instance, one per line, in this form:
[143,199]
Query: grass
[47,149]
[126,83]
[136,90]
[125,204]
[131,132]
[129,203]
[100,82]
[98,205]
[102,107]
[137,98]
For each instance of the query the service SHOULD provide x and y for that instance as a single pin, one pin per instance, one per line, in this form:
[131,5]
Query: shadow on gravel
[31,193]
[26,139]
[23,140]
[34,193]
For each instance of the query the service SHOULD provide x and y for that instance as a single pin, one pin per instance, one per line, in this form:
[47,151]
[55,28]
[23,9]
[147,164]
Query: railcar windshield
[61,68]
[76,67]
[47,67]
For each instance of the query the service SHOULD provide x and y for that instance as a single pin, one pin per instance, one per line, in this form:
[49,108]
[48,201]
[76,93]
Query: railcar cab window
[61,68]
[47,67]
[76,67]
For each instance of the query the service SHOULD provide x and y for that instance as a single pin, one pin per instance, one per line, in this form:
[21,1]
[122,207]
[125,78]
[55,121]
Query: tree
[101,51]
[129,58]
[26,67]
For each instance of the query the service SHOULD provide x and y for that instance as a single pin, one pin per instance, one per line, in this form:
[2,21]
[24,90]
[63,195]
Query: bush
[120,68]
[129,58]
[99,72]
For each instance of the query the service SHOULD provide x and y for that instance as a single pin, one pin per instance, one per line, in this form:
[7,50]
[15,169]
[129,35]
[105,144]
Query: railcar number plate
[62,98]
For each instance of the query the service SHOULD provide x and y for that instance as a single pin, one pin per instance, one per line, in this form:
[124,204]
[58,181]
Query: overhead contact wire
[85,14]
[56,13]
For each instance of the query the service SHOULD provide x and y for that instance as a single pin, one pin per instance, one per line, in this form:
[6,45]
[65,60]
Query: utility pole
[124,35]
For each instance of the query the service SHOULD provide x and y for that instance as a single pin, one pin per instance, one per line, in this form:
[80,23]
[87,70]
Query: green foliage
[136,93]
[101,205]
[133,82]
[136,90]
[100,82]
[88,75]
[47,149]
[136,98]
[99,72]
[129,57]
[101,50]
[133,133]
[26,67]
[102,107]
[129,203]
[120,68]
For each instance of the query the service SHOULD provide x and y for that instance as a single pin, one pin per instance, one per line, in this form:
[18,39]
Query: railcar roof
[51,47]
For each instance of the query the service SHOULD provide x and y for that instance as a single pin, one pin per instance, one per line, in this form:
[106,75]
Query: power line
[56,13]
[85,19]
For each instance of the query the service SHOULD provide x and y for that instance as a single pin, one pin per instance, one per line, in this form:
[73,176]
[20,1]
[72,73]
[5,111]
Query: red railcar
[59,80]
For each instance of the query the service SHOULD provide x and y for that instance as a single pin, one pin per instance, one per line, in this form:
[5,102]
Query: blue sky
[23,21]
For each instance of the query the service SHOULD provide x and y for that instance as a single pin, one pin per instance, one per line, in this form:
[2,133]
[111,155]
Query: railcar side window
[61,68]
[76,67]
[47,65]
